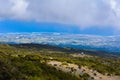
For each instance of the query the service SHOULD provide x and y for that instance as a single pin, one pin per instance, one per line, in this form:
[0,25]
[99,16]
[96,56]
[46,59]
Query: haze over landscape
[59,40]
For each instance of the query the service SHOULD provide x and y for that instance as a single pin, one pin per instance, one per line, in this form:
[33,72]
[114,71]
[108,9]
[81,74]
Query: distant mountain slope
[90,42]
[38,48]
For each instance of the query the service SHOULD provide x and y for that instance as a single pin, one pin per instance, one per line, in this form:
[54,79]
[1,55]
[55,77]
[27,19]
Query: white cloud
[19,8]
[84,13]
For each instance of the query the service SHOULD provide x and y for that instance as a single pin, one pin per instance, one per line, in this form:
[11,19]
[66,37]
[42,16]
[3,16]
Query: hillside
[38,62]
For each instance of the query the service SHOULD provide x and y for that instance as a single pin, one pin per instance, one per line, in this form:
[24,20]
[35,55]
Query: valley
[77,41]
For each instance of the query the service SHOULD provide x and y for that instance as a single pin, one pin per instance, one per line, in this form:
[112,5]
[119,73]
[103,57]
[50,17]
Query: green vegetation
[28,62]
[85,76]
[29,68]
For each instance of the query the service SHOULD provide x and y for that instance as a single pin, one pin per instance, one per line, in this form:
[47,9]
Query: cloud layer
[83,13]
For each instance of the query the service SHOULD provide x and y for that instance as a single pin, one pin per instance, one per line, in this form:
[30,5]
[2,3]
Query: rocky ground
[77,71]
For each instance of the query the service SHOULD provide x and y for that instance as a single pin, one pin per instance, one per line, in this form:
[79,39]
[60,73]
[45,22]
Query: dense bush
[17,68]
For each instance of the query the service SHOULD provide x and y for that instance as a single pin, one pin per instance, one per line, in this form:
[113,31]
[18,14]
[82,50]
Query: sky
[97,17]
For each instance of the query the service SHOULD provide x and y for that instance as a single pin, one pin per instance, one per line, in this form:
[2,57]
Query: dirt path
[75,70]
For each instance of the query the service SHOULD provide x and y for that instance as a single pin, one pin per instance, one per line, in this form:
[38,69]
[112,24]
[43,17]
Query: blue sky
[98,17]
[22,26]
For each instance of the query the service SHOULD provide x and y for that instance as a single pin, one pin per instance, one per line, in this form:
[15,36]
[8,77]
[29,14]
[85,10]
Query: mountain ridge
[105,43]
